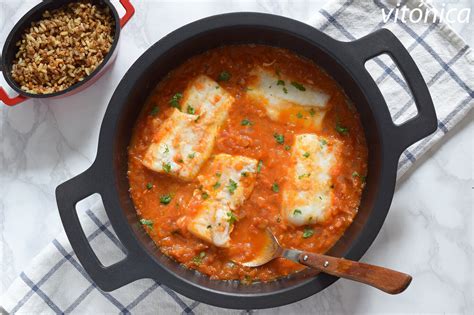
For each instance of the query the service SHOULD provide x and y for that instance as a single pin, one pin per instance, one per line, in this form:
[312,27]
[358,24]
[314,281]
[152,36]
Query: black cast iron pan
[343,61]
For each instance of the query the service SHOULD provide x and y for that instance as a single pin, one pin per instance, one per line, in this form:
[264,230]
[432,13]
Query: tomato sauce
[262,209]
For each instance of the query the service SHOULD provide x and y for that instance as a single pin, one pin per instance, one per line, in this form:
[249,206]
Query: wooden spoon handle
[387,280]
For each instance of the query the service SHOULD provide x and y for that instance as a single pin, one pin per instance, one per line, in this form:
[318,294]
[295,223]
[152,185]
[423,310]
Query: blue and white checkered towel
[56,282]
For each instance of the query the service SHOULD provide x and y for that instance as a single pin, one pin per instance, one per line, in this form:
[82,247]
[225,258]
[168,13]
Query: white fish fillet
[280,96]
[226,183]
[307,193]
[185,141]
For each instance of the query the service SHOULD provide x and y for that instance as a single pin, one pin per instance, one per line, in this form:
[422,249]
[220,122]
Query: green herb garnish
[306,154]
[216,185]
[148,223]
[205,195]
[244,174]
[198,259]
[312,112]
[297,211]
[275,187]
[287,147]
[191,155]
[280,82]
[149,186]
[246,122]
[298,86]
[279,138]
[341,129]
[154,111]
[232,186]
[259,166]
[323,142]
[223,76]
[299,115]
[308,232]
[165,199]
[174,101]
[231,217]
[304,175]
[166,167]
[285,90]
[190,110]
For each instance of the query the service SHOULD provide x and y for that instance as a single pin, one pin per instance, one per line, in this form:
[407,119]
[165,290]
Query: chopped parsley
[299,115]
[216,185]
[218,174]
[165,199]
[323,142]
[279,138]
[209,227]
[166,167]
[231,217]
[244,174]
[297,211]
[306,154]
[149,186]
[304,175]
[275,187]
[174,101]
[148,223]
[167,150]
[287,147]
[232,186]
[205,195]
[320,198]
[190,110]
[198,259]
[285,90]
[259,166]
[298,86]
[246,122]
[312,112]
[308,232]
[280,82]
[154,110]
[341,129]
[192,155]
[223,76]
[362,178]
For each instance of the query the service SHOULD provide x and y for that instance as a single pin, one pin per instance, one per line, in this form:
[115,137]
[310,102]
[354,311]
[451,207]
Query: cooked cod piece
[285,98]
[307,193]
[185,140]
[225,185]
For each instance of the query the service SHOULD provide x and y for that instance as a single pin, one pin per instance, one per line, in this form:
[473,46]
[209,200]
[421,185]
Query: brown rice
[64,47]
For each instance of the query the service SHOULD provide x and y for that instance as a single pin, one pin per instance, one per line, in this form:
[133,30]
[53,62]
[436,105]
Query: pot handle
[7,100]
[129,269]
[425,122]
[129,11]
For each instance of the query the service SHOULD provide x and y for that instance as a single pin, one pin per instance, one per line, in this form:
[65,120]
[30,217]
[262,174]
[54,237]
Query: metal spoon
[387,280]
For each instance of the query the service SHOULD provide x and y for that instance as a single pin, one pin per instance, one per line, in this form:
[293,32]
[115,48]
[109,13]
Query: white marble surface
[428,232]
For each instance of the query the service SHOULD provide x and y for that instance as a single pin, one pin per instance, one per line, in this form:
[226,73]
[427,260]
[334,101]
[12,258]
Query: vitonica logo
[426,12]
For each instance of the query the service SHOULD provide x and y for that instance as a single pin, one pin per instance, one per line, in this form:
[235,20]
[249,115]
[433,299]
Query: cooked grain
[64,47]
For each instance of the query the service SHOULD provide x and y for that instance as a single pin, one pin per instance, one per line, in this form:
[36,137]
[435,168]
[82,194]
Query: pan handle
[68,194]
[129,11]
[7,100]
[425,122]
